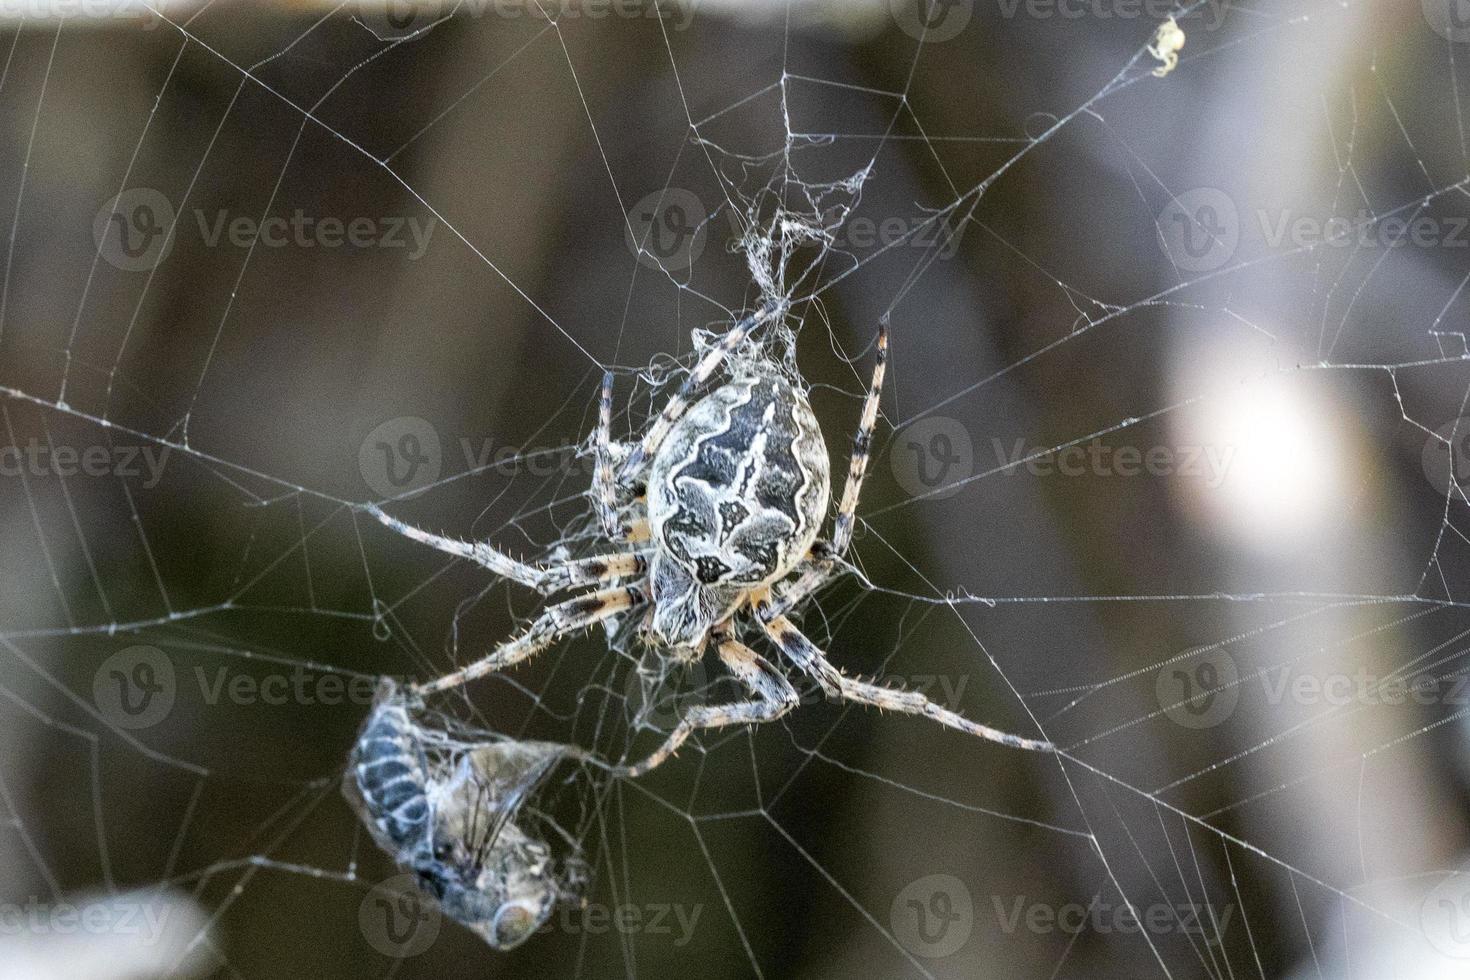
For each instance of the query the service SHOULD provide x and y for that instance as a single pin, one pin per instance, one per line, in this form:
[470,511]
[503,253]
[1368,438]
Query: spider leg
[774,697]
[555,622]
[542,578]
[702,371]
[604,492]
[862,446]
[479,552]
[814,663]
[811,575]
[595,569]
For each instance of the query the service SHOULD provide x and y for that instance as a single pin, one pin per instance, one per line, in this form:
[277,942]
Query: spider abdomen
[738,490]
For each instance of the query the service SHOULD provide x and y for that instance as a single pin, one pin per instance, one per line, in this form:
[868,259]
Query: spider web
[1169,475]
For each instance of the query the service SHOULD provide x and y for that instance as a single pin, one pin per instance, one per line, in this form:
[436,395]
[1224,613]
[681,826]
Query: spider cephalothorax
[713,518]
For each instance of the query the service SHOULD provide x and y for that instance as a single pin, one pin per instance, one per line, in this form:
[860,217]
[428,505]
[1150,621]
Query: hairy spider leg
[555,622]
[604,490]
[542,578]
[814,663]
[773,697]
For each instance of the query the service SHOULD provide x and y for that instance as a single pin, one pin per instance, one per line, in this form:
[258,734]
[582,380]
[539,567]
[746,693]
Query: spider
[1165,46]
[714,516]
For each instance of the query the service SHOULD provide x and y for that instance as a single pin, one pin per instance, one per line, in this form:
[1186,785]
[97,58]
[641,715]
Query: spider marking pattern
[715,515]
[448,813]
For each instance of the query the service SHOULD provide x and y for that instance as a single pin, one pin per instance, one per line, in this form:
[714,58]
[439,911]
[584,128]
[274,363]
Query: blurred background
[1169,471]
